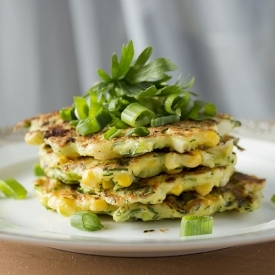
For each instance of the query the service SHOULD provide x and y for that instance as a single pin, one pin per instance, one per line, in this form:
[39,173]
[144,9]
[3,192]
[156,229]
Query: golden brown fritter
[242,193]
[180,137]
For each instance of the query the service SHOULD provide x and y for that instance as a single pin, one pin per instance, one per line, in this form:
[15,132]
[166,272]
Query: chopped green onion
[152,103]
[138,131]
[37,170]
[95,103]
[112,132]
[81,107]
[273,198]
[86,220]
[118,123]
[202,110]
[137,115]
[196,225]
[74,122]
[94,125]
[117,105]
[183,102]
[12,189]
[85,127]
[170,102]
[67,114]
[159,121]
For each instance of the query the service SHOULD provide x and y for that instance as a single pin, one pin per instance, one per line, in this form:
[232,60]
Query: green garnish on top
[136,94]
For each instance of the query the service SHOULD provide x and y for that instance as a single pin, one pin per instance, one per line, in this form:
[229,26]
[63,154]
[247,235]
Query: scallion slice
[74,122]
[37,170]
[202,110]
[193,225]
[170,103]
[12,189]
[81,107]
[138,131]
[137,115]
[95,124]
[112,132]
[67,114]
[86,220]
[95,103]
[118,123]
[159,121]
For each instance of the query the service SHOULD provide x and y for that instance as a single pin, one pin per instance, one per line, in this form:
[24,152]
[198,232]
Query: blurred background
[50,49]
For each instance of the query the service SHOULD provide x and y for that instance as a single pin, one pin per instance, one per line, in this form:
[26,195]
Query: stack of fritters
[178,169]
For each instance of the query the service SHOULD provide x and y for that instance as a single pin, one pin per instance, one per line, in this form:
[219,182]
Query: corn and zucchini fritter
[180,136]
[242,193]
[93,174]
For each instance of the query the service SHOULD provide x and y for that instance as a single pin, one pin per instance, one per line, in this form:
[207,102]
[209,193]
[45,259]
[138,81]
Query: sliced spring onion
[37,170]
[159,121]
[202,110]
[273,198]
[67,114]
[12,189]
[112,132]
[117,105]
[85,127]
[94,125]
[193,225]
[118,123]
[81,107]
[74,122]
[137,115]
[95,103]
[86,220]
[170,103]
[152,103]
[138,131]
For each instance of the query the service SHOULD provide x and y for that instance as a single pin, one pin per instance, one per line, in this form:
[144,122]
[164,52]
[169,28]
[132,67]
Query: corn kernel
[90,179]
[204,189]
[176,190]
[62,160]
[210,199]
[66,207]
[175,160]
[124,180]
[173,171]
[172,161]
[192,159]
[99,205]
[107,184]
[211,138]
[34,138]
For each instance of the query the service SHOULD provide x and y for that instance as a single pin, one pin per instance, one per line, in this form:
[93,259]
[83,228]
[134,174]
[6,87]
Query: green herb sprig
[136,94]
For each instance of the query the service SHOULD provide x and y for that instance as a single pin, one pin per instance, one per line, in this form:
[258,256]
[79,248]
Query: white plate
[26,221]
